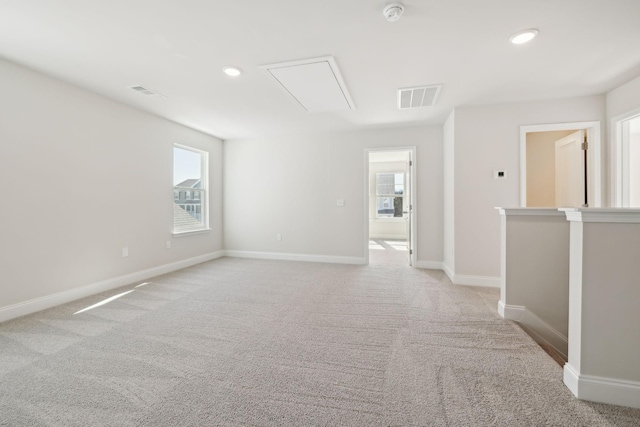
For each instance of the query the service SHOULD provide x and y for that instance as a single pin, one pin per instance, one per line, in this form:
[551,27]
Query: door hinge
[410,162]
[410,251]
[585,146]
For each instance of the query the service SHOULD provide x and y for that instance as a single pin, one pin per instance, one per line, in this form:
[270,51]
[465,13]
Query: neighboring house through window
[389,195]
[189,189]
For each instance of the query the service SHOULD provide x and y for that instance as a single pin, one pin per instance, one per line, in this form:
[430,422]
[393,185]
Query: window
[389,195]
[189,189]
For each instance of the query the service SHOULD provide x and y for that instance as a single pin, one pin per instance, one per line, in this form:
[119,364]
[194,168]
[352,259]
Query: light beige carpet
[238,342]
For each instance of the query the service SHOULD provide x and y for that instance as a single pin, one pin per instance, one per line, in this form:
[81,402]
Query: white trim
[617,169]
[191,232]
[448,271]
[429,265]
[534,325]
[366,206]
[413,198]
[601,389]
[511,312]
[333,65]
[609,215]
[570,378]
[204,184]
[529,211]
[296,257]
[501,308]
[486,281]
[594,157]
[544,332]
[459,279]
[48,301]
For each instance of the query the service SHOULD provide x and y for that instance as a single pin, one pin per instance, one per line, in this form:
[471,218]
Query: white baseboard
[487,281]
[431,265]
[448,271]
[534,325]
[460,279]
[601,389]
[501,308]
[48,301]
[545,333]
[296,257]
[511,312]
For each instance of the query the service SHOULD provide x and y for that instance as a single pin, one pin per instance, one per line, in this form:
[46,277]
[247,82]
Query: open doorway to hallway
[560,165]
[390,206]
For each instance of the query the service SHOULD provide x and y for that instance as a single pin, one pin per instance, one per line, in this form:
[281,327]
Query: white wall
[85,176]
[621,100]
[448,196]
[535,280]
[385,228]
[487,139]
[289,185]
[541,167]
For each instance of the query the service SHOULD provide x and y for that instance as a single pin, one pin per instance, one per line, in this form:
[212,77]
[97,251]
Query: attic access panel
[315,84]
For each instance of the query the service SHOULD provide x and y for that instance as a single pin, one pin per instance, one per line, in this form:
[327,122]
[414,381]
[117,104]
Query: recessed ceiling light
[523,36]
[232,71]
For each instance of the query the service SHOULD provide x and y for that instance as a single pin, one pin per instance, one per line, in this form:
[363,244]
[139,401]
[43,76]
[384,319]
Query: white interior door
[570,170]
[407,209]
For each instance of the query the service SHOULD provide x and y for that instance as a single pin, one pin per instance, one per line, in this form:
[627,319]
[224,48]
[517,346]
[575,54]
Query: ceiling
[178,48]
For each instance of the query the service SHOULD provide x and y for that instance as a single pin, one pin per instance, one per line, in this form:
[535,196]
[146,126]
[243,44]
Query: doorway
[560,165]
[389,207]
[626,150]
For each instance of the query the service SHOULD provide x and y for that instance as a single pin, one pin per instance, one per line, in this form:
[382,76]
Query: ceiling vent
[315,84]
[414,97]
[143,90]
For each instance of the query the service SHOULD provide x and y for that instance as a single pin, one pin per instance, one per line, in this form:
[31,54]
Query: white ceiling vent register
[315,84]
[414,97]
[143,90]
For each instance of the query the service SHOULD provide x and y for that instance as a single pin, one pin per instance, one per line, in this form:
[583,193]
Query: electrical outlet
[168,244]
[340,202]
[125,252]
[279,236]
[499,174]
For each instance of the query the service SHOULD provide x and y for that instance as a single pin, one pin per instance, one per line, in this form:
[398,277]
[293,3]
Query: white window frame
[203,190]
[376,195]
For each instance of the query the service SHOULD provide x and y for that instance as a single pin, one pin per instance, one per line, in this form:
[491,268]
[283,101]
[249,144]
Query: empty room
[319,213]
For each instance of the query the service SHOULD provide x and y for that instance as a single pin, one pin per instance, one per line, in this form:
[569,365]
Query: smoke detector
[392,12]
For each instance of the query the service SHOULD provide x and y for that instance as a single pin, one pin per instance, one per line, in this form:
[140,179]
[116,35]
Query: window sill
[190,232]
[389,219]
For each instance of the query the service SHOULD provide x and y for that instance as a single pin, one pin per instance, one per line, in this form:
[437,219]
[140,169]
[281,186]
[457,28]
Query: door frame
[594,157]
[412,195]
[618,171]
